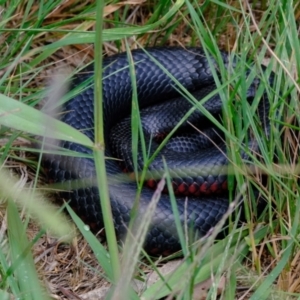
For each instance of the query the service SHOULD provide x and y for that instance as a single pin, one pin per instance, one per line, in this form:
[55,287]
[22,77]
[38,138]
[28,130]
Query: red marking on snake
[214,187]
[182,188]
[151,183]
[193,189]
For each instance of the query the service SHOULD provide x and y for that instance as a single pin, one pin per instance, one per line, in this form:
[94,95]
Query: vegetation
[258,260]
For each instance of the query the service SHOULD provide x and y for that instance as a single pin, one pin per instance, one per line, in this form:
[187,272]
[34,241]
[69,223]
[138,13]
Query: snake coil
[160,74]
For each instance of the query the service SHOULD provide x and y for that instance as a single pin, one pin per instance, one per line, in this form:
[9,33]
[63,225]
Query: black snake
[206,178]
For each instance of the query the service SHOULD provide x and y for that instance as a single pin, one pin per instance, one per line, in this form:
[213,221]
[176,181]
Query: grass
[258,260]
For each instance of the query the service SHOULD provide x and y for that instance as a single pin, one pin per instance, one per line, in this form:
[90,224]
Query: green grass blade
[25,272]
[17,115]
[179,226]
[100,252]
[99,150]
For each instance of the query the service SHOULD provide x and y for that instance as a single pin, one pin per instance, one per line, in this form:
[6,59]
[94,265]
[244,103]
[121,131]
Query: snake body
[160,74]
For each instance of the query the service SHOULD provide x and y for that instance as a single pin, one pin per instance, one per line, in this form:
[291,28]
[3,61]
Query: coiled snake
[203,201]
